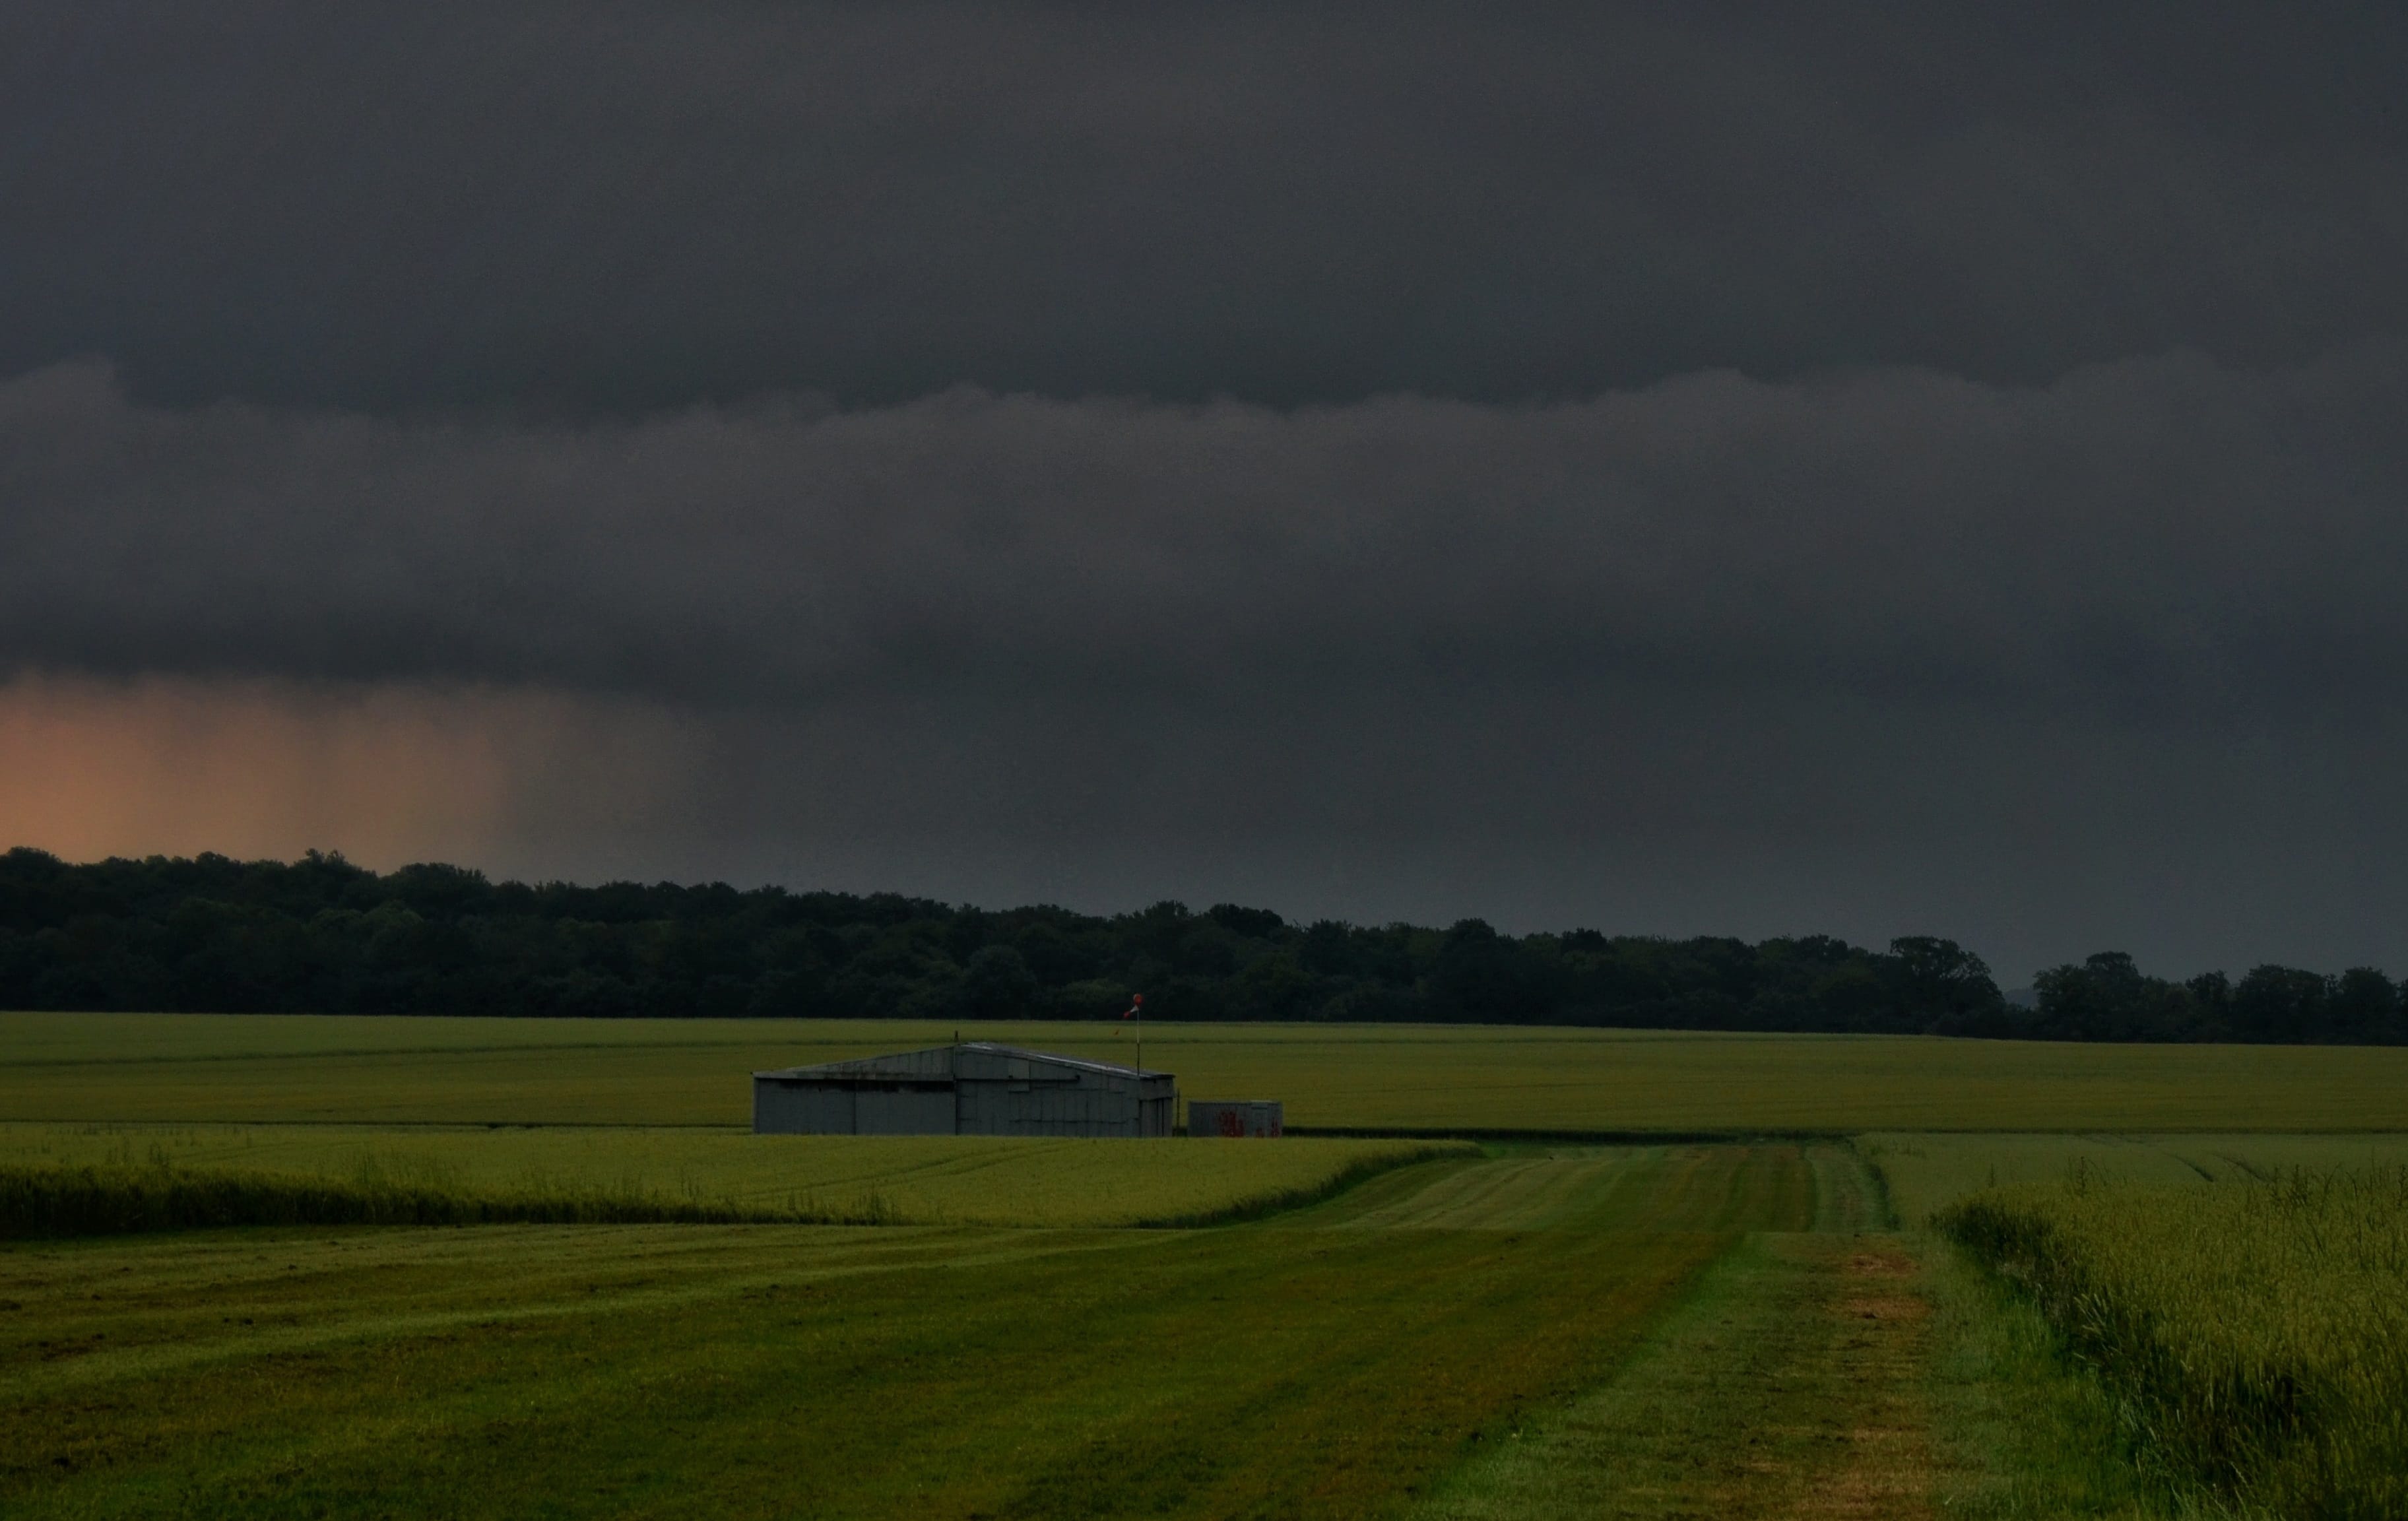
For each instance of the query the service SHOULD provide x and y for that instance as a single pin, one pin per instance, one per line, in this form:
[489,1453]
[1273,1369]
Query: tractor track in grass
[1789,1382]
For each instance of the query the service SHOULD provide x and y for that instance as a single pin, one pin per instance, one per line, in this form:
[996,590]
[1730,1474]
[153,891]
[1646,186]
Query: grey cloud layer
[1862,464]
[631,205]
[2163,536]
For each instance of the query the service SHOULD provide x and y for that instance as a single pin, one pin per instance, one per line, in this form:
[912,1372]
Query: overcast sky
[1852,469]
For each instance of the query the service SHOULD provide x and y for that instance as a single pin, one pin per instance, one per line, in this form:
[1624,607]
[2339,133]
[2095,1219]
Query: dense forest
[321,935]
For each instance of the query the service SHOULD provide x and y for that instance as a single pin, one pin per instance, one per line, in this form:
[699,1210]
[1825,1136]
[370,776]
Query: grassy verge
[50,1203]
[59,1180]
[2252,1336]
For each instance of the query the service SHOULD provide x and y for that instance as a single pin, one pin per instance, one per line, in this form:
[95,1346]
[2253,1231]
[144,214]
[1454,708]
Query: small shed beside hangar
[1235,1117]
[975,1088]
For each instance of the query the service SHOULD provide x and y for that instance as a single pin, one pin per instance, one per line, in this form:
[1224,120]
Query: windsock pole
[1136,1011]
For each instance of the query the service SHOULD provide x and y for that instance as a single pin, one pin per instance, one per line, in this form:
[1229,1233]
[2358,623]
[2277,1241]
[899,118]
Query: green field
[1325,1364]
[1428,1078]
[1689,1327]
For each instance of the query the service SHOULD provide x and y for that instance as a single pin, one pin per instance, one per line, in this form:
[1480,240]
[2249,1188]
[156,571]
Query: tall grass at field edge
[37,1204]
[2253,1337]
[50,1203]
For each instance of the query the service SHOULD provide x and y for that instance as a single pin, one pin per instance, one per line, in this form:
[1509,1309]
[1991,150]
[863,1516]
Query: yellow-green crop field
[1926,1173]
[2242,1299]
[364,1070]
[2253,1330]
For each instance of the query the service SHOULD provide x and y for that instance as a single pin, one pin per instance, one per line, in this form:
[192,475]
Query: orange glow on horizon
[384,774]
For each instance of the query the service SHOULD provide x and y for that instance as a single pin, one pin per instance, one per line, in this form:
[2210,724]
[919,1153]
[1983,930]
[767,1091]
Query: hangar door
[903,1111]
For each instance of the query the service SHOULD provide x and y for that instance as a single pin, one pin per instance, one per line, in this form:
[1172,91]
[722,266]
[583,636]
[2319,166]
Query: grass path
[1849,1371]
[1788,1385]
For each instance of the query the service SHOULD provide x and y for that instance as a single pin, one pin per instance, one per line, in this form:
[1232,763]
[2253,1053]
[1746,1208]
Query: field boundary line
[1287,1200]
[735,1126]
[1577,1137]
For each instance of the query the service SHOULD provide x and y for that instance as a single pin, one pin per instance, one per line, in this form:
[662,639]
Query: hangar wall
[974,1088]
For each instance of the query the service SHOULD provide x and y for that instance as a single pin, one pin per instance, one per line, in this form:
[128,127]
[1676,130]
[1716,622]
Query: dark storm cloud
[2161,536]
[1727,467]
[635,205]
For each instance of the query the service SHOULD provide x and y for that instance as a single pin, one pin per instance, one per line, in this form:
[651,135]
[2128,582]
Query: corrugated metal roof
[938,1061]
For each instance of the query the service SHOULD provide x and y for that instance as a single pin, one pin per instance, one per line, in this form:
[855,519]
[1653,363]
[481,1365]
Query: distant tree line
[2108,999]
[321,935]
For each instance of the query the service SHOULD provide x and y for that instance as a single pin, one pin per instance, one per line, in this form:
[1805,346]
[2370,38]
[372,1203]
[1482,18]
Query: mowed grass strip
[1257,1371]
[1788,1385]
[1850,1372]
[1585,1188]
[1404,1077]
[144,1174]
[1835,1374]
